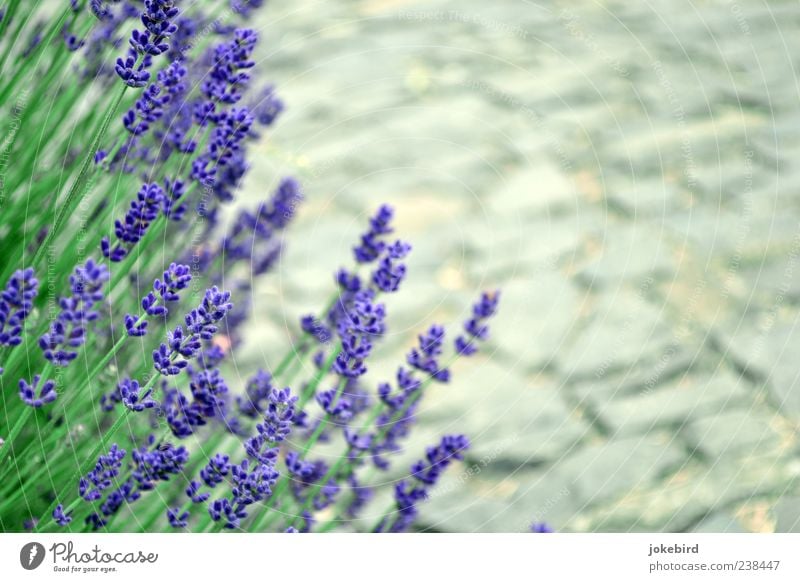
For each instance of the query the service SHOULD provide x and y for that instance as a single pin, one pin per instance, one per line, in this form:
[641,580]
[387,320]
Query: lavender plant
[124,294]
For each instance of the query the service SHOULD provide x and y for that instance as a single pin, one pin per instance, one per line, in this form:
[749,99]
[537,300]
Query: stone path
[628,174]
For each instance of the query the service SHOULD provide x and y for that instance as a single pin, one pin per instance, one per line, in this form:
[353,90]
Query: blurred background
[627,173]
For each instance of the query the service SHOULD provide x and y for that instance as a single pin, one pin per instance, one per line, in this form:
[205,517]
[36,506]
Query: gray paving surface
[628,174]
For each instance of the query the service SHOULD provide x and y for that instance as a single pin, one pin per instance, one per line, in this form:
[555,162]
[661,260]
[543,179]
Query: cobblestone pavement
[627,173]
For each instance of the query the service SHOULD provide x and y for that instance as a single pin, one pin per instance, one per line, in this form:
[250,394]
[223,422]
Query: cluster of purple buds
[16,303]
[476,328]
[254,482]
[130,396]
[165,290]
[72,42]
[92,485]
[425,359]
[157,19]
[390,271]
[275,427]
[253,237]
[47,393]
[172,206]
[157,462]
[267,107]
[151,464]
[357,329]
[228,74]
[372,243]
[60,517]
[170,358]
[68,331]
[143,211]
[226,142]
[424,475]
[150,106]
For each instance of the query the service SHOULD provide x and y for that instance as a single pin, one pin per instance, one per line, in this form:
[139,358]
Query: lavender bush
[124,295]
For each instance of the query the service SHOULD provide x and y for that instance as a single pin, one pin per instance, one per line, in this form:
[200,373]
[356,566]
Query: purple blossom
[425,359]
[92,485]
[172,207]
[372,244]
[157,19]
[228,74]
[357,328]
[172,357]
[275,427]
[131,398]
[47,392]
[424,475]
[165,290]
[216,470]
[390,272]
[177,518]
[193,492]
[476,327]
[61,518]
[268,106]
[129,231]
[541,528]
[68,331]
[16,303]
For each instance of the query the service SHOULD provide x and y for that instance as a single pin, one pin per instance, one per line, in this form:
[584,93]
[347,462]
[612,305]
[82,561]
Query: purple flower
[424,359]
[233,513]
[220,166]
[47,393]
[357,328]
[157,19]
[92,485]
[540,528]
[424,475]
[477,330]
[157,462]
[372,244]
[165,290]
[227,77]
[172,206]
[275,428]
[61,518]
[216,470]
[390,271]
[130,397]
[170,358]
[193,492]
[149,108]
[268,106]
[68,331]
[144,210]
[258,390]
[16,302]
[177,518]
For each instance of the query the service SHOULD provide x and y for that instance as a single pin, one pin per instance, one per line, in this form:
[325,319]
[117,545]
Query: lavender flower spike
[131,398]
[372,245]
[477,330]
[165,290]
[170,358]
[425,473]
[68,331]
[16,302]
[144,210]
[61,518]
[47,393]
[92,485]
[157,19]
